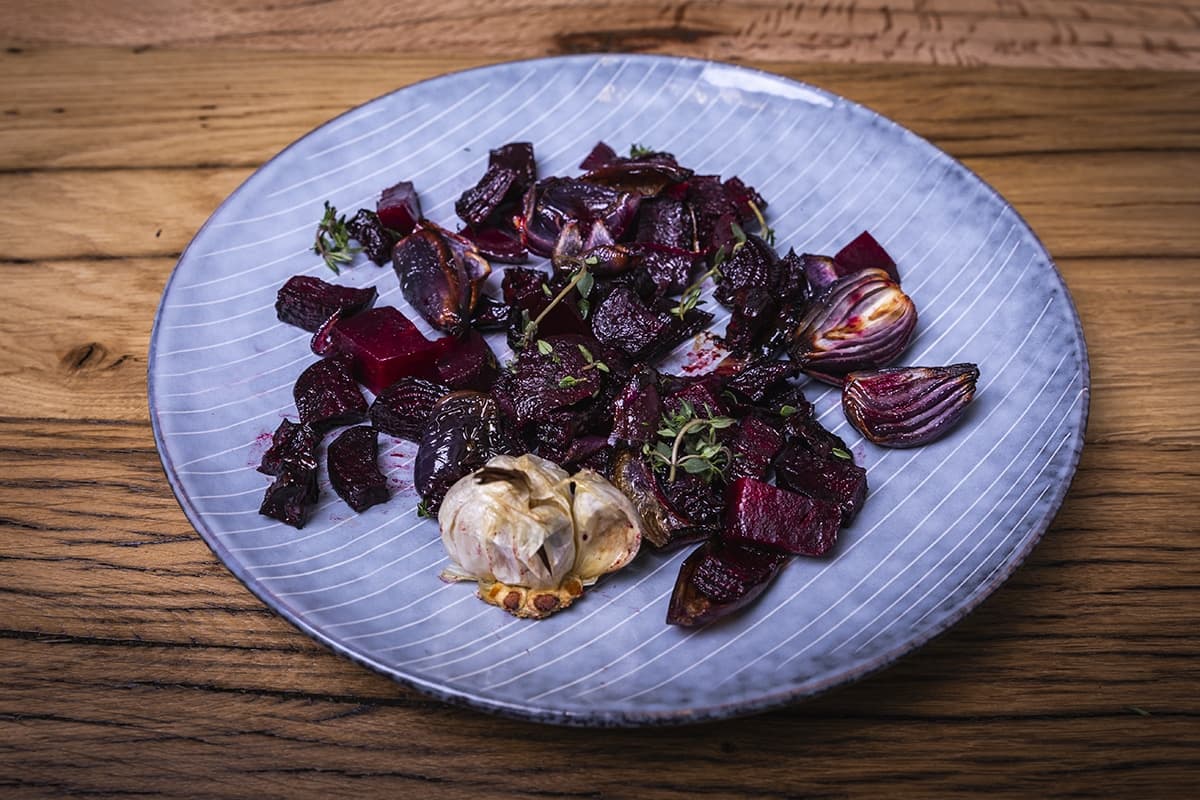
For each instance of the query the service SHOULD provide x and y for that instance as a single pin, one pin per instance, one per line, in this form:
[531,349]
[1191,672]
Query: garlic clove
[608,530]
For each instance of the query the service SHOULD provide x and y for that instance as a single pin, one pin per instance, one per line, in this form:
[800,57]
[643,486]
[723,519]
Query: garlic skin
[532,536]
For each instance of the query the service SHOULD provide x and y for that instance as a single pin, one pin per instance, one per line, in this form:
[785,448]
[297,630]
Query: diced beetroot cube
[834,479]
[703,396]
[385,346]
[866,253]
[763,515]
[755,445]
[354,468]
[399,208]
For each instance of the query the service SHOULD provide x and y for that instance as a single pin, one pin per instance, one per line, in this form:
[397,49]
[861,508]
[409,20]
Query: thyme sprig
[332,242]
[689,442]
[640,151]
[764,230]
[581,279]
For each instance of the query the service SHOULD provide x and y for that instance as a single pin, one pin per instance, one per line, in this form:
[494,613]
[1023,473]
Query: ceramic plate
[943,526]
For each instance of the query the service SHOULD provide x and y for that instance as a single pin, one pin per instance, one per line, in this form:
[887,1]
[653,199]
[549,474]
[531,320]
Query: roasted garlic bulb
[533,536]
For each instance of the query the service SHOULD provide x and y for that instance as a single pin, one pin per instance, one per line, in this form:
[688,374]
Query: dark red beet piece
[290,497]
[600,155]
[498,242]
[527,300]
[468,363]
[791,282]
[584,450]
[353,469]
[742,196]
[623,321]
[755,444]
[671,271]
[307,302]
[490,315]
[754,265]
[293,446]
[399,208]
[518,158]
[637,410]
[384,346]
[327,396]
[712,209]
[755,310]
[864,252]
[763,515]
[703,394]
[476,204]
[754,379]
[834,479]
[718,578]
[539,384]
[464,430]
[376,242]
[553,436]
[697,500]
[403,408]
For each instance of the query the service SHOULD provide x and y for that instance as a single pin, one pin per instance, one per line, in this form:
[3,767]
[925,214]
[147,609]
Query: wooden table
[132,662]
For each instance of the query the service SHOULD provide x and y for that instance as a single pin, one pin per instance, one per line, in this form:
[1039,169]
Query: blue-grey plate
[943,526]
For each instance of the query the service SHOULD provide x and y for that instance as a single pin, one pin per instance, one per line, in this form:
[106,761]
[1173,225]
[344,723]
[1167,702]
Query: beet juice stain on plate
[943,526]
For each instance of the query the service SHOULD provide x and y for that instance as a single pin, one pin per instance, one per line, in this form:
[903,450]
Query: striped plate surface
[943,526]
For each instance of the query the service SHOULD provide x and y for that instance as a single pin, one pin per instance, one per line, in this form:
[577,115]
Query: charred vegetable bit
[402,410]
[327,396]
[353,470]
[292,460]
[718,579]
[441,274]
[333,240]
[463,431]
[376,240]
[307,302]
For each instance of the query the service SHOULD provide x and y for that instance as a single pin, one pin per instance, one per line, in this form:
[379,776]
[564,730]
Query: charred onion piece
[308,302]
[440,274]
[718,579]
[908,406]
[864,321]
[464,430]
[662,525]
[551,203]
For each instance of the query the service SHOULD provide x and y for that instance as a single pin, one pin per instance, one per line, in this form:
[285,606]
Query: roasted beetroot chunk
[441,274]
[528,292]
[762,515]
[756,378]
[384,346]
[293,446]
[600,155]
[327,395]
[375,239]
[353,469]
[490,315]
[307,302]
[755,444]
[398,208]
[670,271]
[463,431]
[637,409]
[864,252]
[718,579]
[553,374]
[668,222]
[754,265]
[477,203]
[518,158]
[403,409]
[468,363]
[291,497]
[834,479]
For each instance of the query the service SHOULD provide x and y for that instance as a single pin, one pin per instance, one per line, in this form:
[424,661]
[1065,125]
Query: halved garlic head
[532,536]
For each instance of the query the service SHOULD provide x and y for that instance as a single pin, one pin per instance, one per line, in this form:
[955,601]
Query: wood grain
[1148,34]
[132,662]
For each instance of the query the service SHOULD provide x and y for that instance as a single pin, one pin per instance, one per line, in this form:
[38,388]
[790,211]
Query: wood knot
[90,357]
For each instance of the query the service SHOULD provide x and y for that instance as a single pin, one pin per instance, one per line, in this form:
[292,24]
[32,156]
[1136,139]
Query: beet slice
[742,196]
[755,310]
[463,431]
[763,515]
[353,469]
[327,396]
[468,363]
[834,479]
[518,158]
[718,578]
[754,265]
[498,242]
[864,252]
[551,375]
[293,446]
[370,232]
[668,222]
[384,346]
[476,204]
[399,208]
[637,410]
[306,302]
[403,409]
[600,155]
[755,444]
[290,497]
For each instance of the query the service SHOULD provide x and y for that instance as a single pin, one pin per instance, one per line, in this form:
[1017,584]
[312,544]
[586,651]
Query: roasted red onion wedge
[551,203]
[662,524]
[718,579]
[908,406]
[464,430]
[863,321]
[353,469]
[763,515]
[440,274]
[307,302]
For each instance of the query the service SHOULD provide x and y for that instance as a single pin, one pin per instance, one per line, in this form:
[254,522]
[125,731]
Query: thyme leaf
[332,241]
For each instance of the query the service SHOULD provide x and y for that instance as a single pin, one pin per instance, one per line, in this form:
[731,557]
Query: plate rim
[600,718]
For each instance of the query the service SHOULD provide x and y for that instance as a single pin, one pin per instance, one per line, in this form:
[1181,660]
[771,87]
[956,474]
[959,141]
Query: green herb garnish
[689,442]
[640,151]
[842,454]
[333,240]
